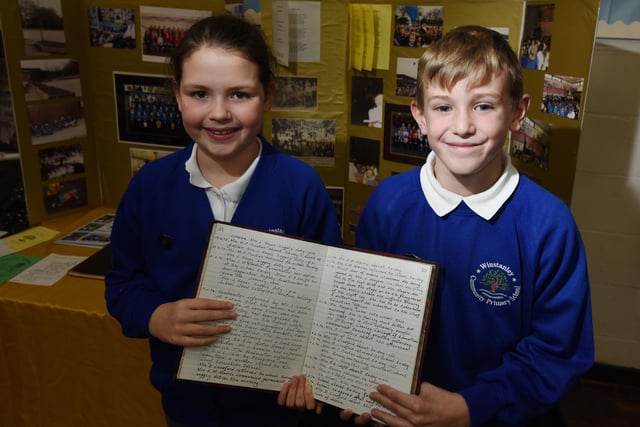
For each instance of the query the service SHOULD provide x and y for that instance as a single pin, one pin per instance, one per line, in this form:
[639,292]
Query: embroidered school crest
[494,284]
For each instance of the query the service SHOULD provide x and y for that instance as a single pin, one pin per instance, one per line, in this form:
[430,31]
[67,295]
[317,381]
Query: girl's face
[222,102]
[467,128]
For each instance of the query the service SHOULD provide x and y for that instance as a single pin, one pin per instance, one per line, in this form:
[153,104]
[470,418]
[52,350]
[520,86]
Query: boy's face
[467,128]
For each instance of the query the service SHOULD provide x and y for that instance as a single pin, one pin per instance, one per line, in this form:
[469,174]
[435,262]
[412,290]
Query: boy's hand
[434,406]
[297,393]
[182,322]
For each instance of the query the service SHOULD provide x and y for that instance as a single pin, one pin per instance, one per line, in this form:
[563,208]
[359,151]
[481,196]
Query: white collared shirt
[485,204]
[223,201]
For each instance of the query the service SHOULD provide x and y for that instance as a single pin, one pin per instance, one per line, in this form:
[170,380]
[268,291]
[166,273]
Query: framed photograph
[403,140]
[147,111]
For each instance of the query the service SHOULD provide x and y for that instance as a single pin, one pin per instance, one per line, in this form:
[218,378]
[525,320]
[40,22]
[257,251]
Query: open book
[348,319]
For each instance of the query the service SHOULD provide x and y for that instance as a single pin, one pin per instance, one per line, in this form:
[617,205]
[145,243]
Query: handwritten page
[367,328]
[273,283]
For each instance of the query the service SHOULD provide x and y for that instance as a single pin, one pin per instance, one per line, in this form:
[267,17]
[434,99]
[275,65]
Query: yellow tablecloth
[63,360]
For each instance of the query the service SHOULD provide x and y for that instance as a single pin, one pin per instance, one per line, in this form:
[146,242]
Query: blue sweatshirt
[158,239]
[511,326]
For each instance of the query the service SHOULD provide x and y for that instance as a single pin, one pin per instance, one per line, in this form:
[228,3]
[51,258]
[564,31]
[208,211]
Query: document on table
[48,270]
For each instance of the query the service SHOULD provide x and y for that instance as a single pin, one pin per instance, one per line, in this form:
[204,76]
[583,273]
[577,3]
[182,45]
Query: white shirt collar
[485,204]
[234,190]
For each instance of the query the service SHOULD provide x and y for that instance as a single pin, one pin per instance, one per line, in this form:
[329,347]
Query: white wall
[606,198]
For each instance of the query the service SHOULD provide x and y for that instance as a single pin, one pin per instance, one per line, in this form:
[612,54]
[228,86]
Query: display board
[346,79]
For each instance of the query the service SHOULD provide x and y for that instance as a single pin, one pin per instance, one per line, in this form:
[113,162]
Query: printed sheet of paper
[25,239]
[304,31]
[280,24]
[48,270]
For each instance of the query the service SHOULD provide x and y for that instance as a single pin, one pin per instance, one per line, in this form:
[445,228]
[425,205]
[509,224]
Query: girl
[223,85]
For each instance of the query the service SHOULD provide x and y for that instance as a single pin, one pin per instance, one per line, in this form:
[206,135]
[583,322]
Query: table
[63,360]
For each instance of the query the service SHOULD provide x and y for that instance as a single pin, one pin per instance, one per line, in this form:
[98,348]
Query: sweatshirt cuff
[482,401]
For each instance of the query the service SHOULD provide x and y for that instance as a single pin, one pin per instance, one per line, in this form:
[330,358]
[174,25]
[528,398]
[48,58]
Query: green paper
[11,265]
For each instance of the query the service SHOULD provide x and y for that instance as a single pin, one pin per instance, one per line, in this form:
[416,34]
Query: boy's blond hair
[469,51]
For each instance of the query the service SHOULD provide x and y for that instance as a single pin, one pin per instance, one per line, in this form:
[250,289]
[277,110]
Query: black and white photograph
[311,140]
[42,27]
[113,27]
[44,79]
[295,93]
[56,121]
[60,162]
[403,140]
[147,111]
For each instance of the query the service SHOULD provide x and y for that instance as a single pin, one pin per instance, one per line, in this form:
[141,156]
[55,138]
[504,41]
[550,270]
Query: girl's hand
[297,393]
[182,322]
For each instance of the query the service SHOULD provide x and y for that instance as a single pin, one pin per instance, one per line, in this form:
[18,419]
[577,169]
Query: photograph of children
[366,101]
[56,121]
[364,161]
[561,96]
[406,77]
[418,26]
[147,111]
[337,196]
[62,195]
[532,143]
[535,50]
[112,27]
[296,93]
[50,78]
[60,162]
[162,29]
[42,27]
[311,140]
[403,140]
[140,157]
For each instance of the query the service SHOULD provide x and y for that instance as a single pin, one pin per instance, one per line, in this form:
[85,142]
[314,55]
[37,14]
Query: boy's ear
[520,112]
[418,116]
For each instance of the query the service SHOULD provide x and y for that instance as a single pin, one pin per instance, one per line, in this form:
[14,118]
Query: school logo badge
[494,284]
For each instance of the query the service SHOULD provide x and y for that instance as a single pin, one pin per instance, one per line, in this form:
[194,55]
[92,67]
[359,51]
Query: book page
[273,282]
[367,327]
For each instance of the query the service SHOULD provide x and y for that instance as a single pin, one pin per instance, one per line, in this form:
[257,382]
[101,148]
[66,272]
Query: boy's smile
[467,128]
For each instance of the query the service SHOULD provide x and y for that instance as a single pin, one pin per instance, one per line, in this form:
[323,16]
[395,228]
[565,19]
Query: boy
[511,328]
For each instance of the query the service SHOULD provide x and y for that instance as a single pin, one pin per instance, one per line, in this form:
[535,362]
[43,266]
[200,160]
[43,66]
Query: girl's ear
[418,115]
[520,112]
[176,93]
[268,97]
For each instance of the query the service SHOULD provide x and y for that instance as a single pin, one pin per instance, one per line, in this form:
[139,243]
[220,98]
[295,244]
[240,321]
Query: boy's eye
[443,108]
[199,94]
[484,107]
